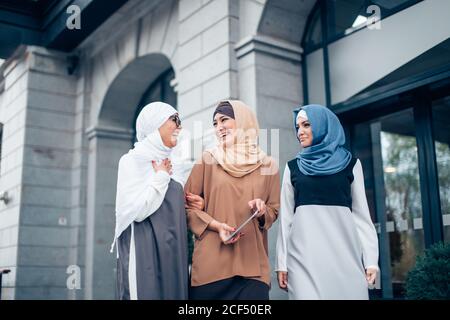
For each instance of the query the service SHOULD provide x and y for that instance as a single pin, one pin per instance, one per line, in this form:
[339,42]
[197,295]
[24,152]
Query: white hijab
[136,174]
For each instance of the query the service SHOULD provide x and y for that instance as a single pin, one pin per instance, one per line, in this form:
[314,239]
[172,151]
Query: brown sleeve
[272,203]
[198,220]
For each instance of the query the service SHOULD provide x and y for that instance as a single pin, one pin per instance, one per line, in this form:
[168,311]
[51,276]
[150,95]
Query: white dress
[324,247]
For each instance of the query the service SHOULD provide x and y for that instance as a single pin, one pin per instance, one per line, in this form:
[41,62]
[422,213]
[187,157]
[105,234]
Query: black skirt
[235,288]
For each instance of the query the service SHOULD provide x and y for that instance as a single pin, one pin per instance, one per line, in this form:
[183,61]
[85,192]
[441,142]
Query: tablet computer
[242,225]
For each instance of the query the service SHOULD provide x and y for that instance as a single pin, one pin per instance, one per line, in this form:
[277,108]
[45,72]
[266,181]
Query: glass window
[314,33]
[361,146]
[161,90]
[441,127]
[431,60]
[346,16]
[168,95]
[388,151]
[402,191]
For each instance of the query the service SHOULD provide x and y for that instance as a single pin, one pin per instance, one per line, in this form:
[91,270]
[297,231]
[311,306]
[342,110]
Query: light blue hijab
[327,154]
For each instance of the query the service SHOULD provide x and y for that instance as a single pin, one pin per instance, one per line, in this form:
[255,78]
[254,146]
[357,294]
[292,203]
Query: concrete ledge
[268,45]
[109,133]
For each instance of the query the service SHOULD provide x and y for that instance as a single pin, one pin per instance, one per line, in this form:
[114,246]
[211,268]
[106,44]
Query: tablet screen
[242,225]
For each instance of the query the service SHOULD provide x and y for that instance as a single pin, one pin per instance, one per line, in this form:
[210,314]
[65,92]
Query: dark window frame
[326,7]
[420,100]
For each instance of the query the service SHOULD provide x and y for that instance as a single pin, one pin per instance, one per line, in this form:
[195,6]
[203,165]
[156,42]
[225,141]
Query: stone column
[106,145]
[206,62]
[38,112]
[270,80]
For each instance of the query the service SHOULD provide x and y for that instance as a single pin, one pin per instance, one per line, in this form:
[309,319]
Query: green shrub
[430,277]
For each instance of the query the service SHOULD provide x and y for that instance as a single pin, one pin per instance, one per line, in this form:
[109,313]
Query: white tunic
[326,249]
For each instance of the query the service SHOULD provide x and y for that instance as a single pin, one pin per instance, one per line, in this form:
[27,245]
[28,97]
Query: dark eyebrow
[306,121]
[220,118]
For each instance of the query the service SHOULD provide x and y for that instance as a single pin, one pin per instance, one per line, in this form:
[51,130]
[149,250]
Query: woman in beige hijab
[235,179]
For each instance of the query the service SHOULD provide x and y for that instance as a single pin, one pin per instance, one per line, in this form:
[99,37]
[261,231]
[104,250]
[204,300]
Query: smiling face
[225,129]
[170,130]
[304,132]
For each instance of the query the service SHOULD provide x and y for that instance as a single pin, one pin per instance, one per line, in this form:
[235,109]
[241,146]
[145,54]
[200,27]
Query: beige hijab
[244,156]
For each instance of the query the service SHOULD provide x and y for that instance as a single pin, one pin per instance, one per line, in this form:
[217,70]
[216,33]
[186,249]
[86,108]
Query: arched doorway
[145,79]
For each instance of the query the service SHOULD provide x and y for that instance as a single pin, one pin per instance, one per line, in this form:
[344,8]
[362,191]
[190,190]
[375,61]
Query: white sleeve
[155,194]
[366,230]
[287,208]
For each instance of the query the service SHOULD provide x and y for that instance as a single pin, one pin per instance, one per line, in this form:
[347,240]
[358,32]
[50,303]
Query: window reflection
[346,16]
[402,192]
[441,126]
[314,33]
[388,150]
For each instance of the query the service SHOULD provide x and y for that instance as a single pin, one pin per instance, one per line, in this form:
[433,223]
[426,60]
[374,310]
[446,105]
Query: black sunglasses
[175,118]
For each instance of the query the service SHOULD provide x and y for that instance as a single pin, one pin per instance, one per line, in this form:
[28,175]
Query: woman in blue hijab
[327,245]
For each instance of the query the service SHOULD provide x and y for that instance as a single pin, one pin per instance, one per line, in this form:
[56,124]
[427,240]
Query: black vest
[330,190]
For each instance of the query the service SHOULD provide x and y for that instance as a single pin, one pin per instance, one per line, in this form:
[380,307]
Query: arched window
[313,35]
[160,90]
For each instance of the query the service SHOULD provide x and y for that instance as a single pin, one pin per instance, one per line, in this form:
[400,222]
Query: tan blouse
[226,200]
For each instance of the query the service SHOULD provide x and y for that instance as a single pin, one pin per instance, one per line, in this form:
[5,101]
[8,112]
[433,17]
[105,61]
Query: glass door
[403,204]
[441,130]
[387,148]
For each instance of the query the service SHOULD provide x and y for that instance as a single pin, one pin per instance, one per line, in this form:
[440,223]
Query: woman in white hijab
[151,232]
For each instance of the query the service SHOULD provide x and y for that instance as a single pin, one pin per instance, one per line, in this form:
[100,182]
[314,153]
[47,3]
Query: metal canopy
[43,22]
